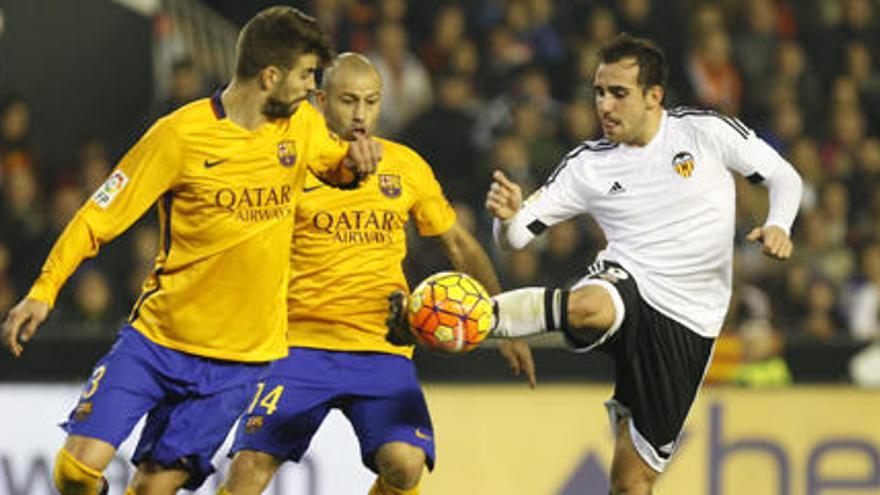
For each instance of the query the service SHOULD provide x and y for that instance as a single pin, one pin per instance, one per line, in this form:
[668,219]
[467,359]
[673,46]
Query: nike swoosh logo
[423,436]
[210,164]
[312,188]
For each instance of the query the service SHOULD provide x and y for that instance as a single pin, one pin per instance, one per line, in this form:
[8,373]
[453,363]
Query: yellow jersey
[348,249]
[225,201]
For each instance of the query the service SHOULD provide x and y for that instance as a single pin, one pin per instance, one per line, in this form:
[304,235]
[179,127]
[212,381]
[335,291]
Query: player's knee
[73,477]
[590,309]
[401,464]
[250,472]
[152,478]
[631,485]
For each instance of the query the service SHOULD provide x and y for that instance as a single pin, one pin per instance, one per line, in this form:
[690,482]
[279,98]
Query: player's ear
[654,96]
[269,77]
[321,99]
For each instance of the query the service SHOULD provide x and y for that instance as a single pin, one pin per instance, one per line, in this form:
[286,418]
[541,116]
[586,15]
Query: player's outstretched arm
[466,255]
[21,323]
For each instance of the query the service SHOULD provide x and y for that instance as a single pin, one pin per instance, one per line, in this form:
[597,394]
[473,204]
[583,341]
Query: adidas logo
[616,188]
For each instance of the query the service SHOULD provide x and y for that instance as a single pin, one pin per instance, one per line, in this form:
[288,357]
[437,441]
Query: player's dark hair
[277,36]
[653,68]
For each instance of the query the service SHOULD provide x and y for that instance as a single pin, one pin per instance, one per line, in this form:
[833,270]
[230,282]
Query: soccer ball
[450,312]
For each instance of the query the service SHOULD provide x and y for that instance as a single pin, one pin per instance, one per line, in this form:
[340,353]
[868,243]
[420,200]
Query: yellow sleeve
[145,172]
[325,150]
[431,211]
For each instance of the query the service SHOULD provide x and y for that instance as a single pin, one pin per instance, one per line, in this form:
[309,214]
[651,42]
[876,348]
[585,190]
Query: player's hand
[504,198]
[21,324]
[774,241]
[519,357]
[398,322]
[364,154]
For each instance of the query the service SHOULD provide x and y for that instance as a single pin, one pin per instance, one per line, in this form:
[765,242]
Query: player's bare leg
[79,464]
[400,469]
[250,473]
[152,479]
[630,474]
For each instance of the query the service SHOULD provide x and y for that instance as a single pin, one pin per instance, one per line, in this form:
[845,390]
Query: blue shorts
[379,394]
[192,402]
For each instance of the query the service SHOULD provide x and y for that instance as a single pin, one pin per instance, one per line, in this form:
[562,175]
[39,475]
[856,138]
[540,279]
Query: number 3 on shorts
[95,381]
[269,401]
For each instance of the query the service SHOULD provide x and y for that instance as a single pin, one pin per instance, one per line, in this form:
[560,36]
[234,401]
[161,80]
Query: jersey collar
[217,103]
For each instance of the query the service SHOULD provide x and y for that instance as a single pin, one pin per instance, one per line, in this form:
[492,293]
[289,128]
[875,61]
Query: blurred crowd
[506,84]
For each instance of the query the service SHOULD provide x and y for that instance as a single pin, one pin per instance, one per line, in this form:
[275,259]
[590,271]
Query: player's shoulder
[585,158]
[397,150]
[401,156]
[306,110]
[188,118]
[200,110]
[707,121]
[592,150]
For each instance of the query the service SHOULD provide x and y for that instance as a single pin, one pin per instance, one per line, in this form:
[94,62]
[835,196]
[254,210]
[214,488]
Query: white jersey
[667,208]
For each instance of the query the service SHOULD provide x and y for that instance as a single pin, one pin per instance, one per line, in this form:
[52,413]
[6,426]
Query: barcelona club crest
[683,163]
[390,185]
[287,153]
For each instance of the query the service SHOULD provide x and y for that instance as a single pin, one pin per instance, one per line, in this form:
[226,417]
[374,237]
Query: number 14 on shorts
[268,401]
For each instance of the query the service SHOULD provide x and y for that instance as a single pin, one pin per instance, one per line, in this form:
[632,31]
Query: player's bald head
[348,67]
[351,95]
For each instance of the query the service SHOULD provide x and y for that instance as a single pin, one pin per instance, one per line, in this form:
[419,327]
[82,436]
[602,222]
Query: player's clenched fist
[504,198]
[364,154]
[775,243]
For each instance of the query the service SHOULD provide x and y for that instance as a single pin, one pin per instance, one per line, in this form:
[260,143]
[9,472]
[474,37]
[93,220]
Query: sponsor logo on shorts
[421,435]
[82,411]
[110,188]
[254,423]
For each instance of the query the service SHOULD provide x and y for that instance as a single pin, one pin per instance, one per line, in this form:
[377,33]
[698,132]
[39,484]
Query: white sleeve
[747,154]
[784,186]
[564,195]
[742,150]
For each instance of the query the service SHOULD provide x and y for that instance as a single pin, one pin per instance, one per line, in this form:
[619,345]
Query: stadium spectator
[449,31]
[443,135]
[762,363]
[187,84]
[16,148]
[822,320]
[864,306]
[408,90]
[714,77]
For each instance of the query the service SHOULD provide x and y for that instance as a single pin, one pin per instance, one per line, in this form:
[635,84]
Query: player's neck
[244,104]
[652,127]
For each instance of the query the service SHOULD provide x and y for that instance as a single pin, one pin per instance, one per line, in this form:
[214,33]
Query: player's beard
[277,109]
